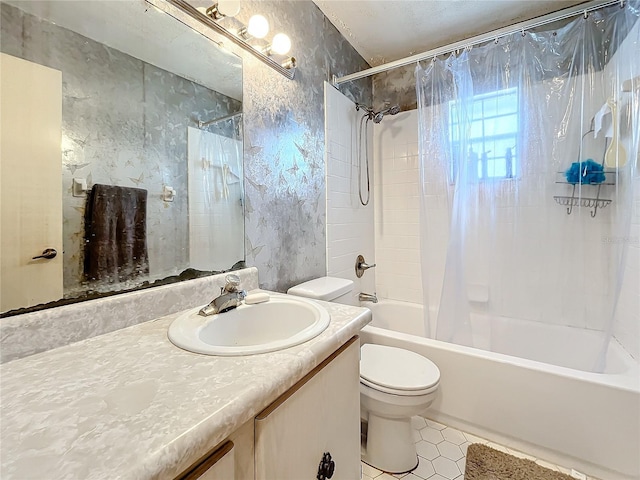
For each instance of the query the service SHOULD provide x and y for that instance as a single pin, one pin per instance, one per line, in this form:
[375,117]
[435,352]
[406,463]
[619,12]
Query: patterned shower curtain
[531,142]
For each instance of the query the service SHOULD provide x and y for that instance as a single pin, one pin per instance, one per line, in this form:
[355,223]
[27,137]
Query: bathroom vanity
[130,404]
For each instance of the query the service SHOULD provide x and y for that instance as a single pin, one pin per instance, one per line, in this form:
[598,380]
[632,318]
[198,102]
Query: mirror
[121,150]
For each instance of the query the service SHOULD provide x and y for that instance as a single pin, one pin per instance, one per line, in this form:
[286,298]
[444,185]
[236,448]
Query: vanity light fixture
[224,8]
[281,44]
[258,27]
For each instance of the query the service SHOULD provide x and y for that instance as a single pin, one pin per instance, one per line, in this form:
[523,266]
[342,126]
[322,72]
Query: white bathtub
[587,421]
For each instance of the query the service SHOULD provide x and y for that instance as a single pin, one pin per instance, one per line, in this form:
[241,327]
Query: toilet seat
[397,371]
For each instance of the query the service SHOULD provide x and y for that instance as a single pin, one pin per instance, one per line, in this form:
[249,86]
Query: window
[493,138]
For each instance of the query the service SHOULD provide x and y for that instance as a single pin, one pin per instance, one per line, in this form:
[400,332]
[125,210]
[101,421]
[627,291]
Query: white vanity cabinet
[217,465]
[318,415]
[288,439]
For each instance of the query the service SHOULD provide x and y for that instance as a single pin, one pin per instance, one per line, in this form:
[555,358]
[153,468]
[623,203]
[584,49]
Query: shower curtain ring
[621,3]
[586,14]
[523,32]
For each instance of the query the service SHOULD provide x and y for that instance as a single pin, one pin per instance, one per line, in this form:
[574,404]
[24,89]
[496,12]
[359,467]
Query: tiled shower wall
[398,253]
[349,224]
[397,215]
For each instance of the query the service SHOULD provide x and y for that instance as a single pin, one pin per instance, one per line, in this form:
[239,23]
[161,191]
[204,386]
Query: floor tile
[370,471]
[425,469]
[442,454]
[445,467]
[431,435]
[473,439]
[464,448]
[427,450]
[436,425]
[450,450]
[453,436]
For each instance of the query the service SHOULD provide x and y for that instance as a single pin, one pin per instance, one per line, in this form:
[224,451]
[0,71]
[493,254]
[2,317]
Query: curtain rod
[582,8]
[220,119]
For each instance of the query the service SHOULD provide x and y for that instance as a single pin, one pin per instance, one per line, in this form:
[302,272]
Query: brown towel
[115,234]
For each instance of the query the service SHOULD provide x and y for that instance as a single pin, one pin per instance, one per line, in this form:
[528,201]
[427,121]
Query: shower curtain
[531,144]
[216,196]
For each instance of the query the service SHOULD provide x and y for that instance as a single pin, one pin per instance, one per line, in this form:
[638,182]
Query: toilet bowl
[395,384]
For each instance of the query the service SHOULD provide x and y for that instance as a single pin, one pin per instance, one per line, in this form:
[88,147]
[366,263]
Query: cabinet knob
[326,467]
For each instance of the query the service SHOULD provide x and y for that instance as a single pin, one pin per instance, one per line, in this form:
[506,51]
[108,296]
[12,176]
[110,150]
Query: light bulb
[229,8]
[281,44]
[258,26]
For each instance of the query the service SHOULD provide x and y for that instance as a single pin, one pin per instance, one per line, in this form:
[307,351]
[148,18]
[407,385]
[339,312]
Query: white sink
[281,322]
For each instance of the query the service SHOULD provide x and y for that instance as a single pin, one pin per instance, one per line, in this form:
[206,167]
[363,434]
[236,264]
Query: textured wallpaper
[284,143]
[124,122]
[396,87]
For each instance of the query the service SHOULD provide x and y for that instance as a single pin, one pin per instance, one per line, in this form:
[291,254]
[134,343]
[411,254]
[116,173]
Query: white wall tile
[350,227]
[569,240]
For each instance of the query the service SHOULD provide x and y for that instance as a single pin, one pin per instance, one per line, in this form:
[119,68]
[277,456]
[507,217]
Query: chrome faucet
[368,297]
[230,297]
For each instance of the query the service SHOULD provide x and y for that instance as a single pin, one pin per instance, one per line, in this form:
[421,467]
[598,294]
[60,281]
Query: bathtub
[558,412]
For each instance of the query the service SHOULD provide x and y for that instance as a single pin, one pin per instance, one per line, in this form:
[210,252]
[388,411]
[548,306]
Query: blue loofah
[586,173]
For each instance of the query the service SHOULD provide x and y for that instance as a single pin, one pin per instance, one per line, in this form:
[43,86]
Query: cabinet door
[218,465]
[321,413]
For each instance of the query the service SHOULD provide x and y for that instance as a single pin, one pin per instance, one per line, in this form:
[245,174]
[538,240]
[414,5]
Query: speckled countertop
[130,404]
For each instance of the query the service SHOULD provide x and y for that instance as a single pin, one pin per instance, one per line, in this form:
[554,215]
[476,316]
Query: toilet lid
[397,368]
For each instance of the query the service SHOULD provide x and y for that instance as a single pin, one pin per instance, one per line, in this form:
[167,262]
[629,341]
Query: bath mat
[485,463]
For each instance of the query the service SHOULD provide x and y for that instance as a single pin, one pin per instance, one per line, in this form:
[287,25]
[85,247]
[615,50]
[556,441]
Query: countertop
[130,404]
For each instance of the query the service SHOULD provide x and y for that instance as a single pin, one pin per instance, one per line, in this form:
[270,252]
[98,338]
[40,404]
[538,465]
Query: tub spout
[368,297]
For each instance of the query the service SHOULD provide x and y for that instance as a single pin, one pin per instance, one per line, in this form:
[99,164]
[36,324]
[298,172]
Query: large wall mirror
[121,162]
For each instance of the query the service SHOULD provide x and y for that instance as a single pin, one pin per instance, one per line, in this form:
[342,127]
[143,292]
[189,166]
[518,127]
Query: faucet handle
[361,266]
[232,282]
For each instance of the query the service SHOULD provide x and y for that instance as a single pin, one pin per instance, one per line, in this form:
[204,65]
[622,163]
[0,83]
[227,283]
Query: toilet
[395,384]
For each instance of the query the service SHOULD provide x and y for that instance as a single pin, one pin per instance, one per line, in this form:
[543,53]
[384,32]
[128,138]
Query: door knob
[49,253]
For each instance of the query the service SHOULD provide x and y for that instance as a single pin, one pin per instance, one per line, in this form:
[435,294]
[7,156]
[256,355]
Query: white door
[30,183]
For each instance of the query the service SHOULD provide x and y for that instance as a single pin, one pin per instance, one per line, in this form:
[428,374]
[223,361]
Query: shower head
[378,116]
[393,110]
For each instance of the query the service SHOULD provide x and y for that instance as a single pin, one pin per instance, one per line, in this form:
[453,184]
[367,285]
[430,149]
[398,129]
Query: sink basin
[281,322]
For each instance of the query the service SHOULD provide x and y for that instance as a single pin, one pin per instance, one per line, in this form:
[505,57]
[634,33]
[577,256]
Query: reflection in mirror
[121,150]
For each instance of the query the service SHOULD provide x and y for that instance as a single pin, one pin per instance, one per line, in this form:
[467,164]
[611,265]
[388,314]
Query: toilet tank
[330,289]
